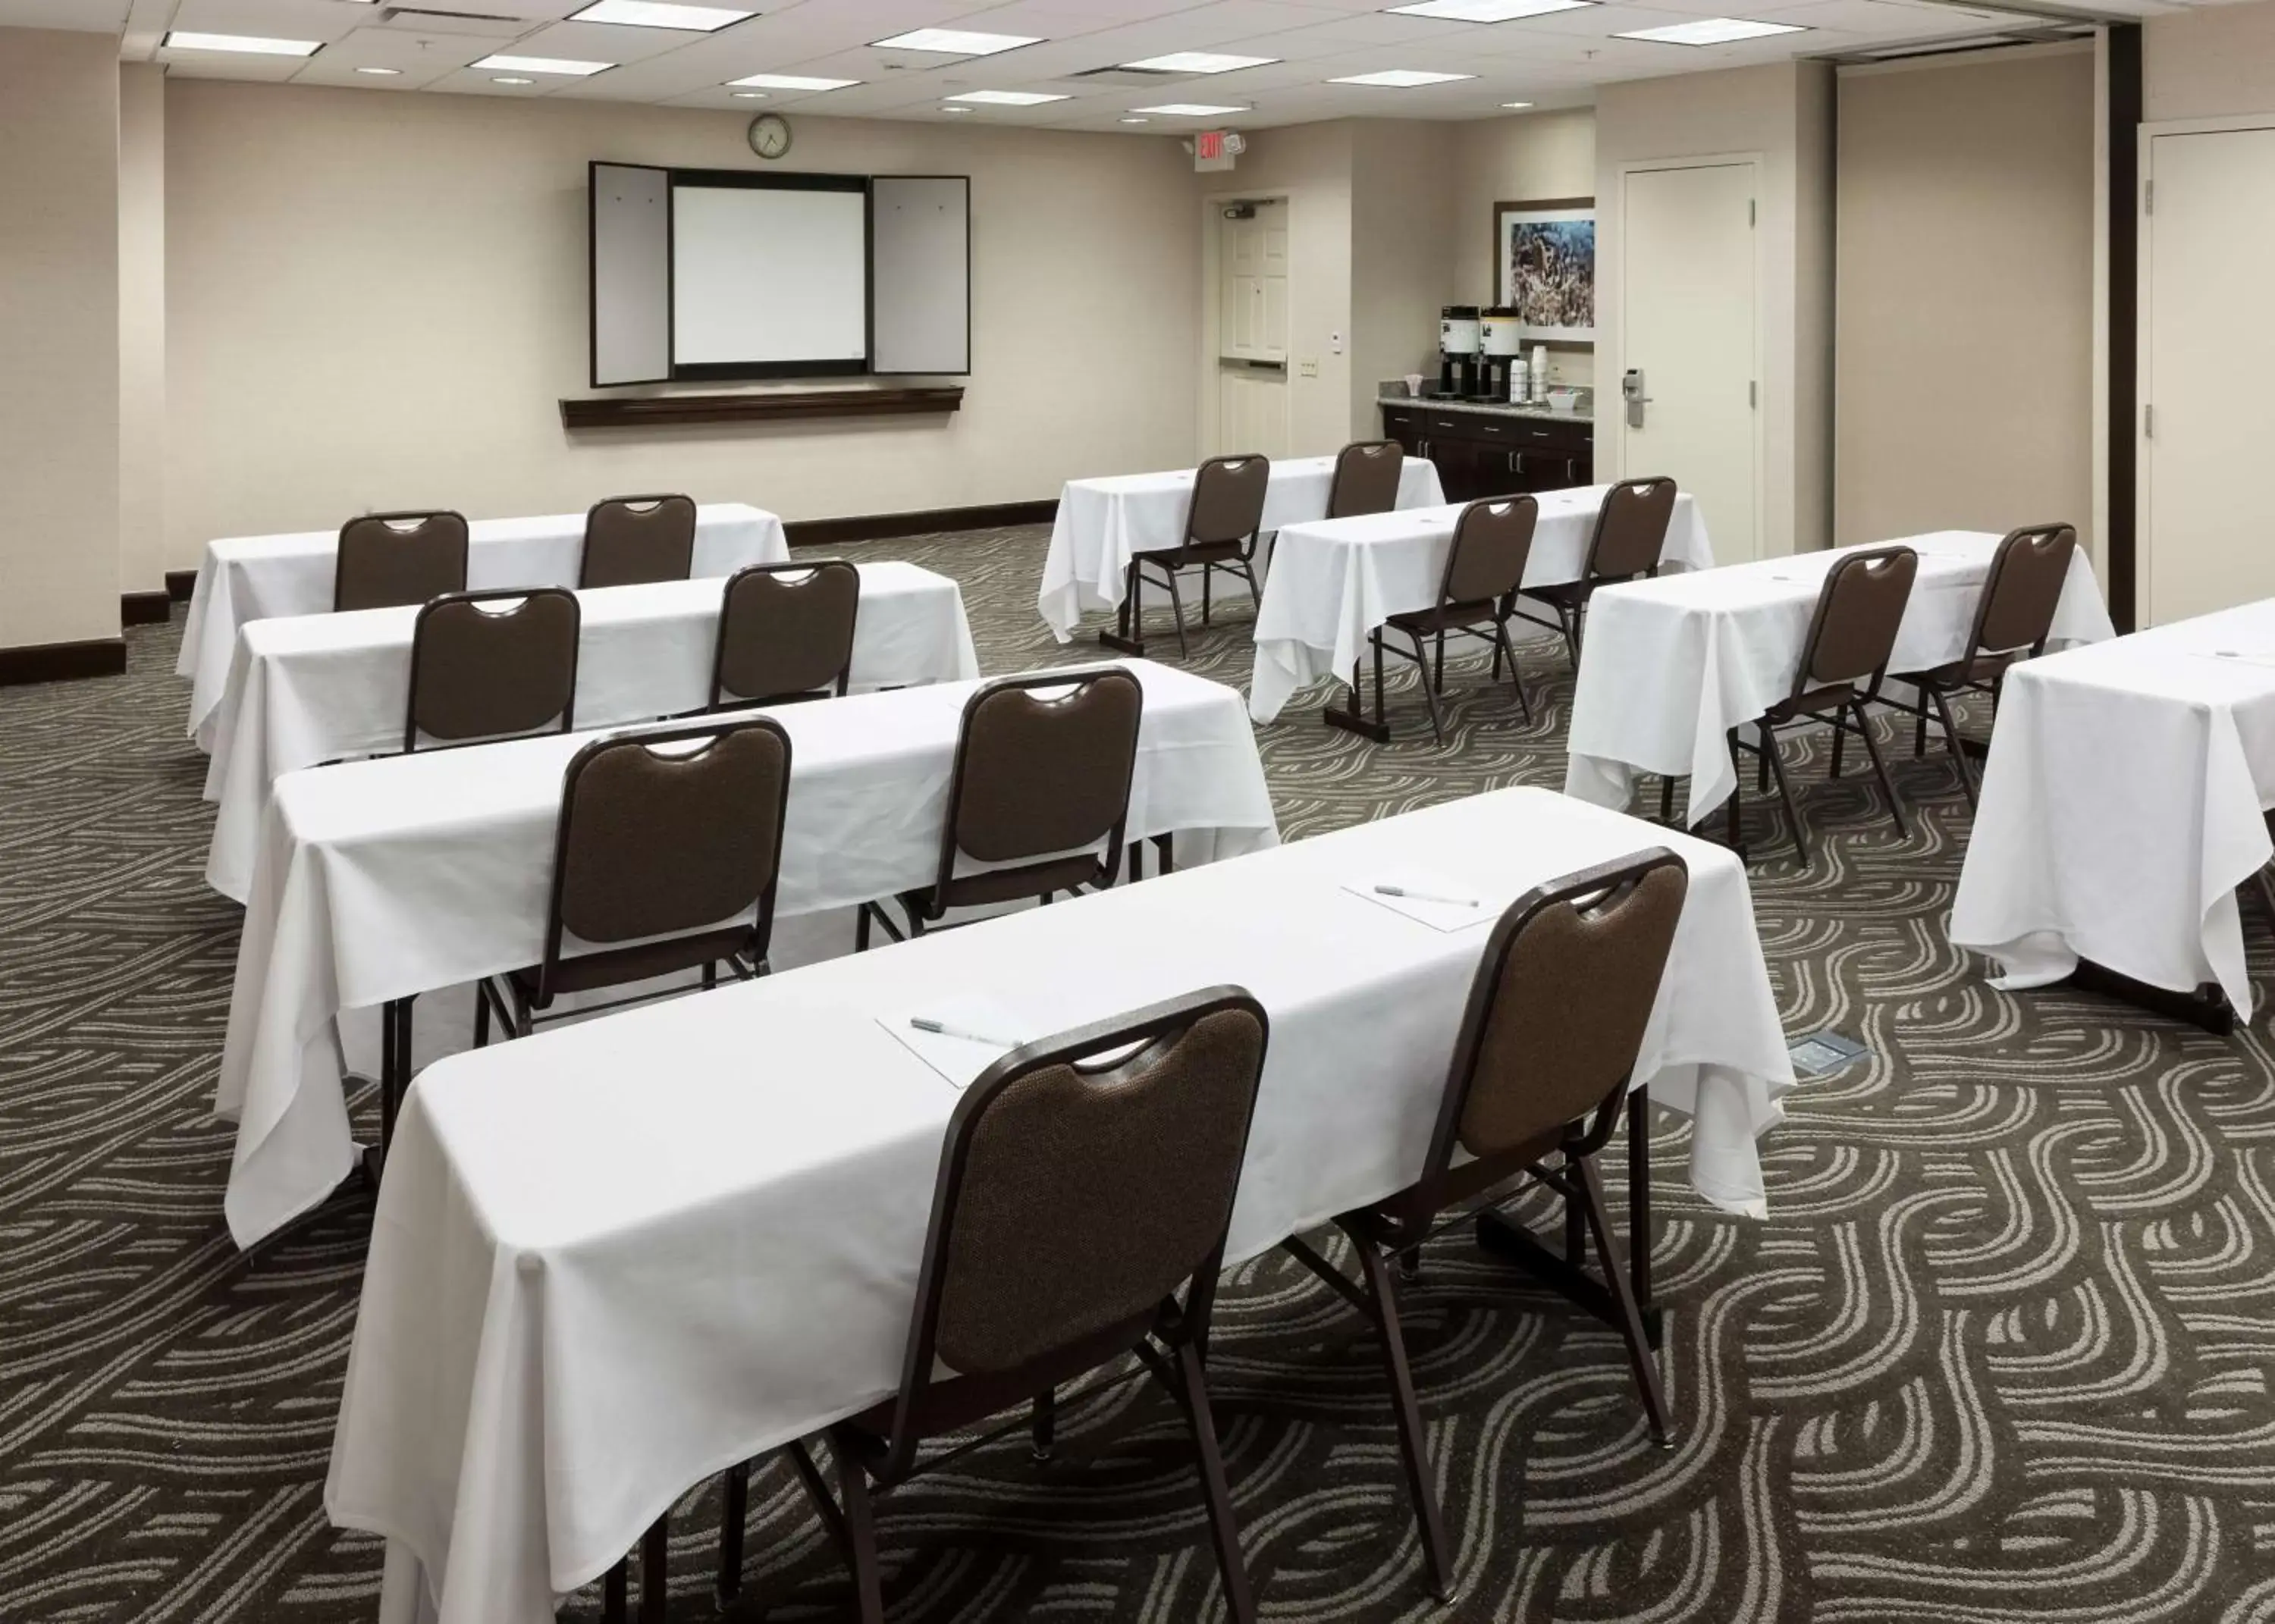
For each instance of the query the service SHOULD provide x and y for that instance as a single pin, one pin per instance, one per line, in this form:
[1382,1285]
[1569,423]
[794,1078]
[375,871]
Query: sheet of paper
[2237,656]
[979,1029]
[1426,901]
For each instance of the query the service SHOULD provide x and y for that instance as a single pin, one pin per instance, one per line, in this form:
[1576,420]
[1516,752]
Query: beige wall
[1777,112]
[377,300]
[141,326]
[2208,63]
[1965,391]
[1516,160]
[1403,253]
[58,337]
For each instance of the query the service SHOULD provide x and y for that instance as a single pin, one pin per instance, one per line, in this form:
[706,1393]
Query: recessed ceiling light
[1516,107]
[380,73]
[1134,121]
[954,109]
[791,81]
[1191,109]
[1006,98]
[750,95]
[1199,62]
[1488,11]
[658,14]
[252,44]
[1400,79]
[957,42]
[508,80]
[1712,31]
[545,64]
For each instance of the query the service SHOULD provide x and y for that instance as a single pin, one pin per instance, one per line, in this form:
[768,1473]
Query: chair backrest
[1085,1177]
[1492,543]
[1227,502]
[786,631]
[659,843]
[387,560]
[1859,611]
[1367,472]
[629,539]
[1558,1007]
[1630,529]
[2023,589]
[1035,775]
[480,672]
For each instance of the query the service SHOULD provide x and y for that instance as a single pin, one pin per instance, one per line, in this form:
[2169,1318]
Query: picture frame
[1544,267]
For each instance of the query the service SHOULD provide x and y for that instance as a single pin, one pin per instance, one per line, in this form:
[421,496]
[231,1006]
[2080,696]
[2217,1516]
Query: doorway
[1691,327]
[2207,347]
[1251,326]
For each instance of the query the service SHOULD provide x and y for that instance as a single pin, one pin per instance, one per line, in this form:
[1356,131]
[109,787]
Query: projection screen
[769,274]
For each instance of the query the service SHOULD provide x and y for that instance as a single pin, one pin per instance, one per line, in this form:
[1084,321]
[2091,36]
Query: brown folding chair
[1630,535]
[2013,619]
[1081,1187]
[785,633]
[662,861]
[481,673]
[1036,783]
[1546,1051]
[1484,566]
[1367,472]
[1859,611]
[388,560]
[630,540]
[1223,522]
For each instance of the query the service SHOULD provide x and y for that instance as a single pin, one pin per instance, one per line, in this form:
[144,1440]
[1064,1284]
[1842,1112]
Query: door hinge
[2148,196]
[1753,392]
[1752,212]
[2149,422]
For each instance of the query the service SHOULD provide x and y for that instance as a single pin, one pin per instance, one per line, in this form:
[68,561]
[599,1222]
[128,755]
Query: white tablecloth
[1103,523]
[376,880]
[610,1261]
[253,577]
[2121,807]
[1669,666]
[1335,580]
[305,689]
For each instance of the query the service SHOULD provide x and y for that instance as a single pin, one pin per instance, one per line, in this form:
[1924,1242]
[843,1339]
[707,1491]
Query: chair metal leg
[1880,768]
[656,1571]
[861,928]
[1623,1303]
[1762,772]
[860,1534]
[1412,1443]
[612,1587]
[1421,670]
[481,1015]
[1224,1532]
[1177,607]
[1255,589]
[1376,637]
[1045,1423]
[1737,816]
[1503,646]
[1440,679]
[1666,797]
[1951,737]
[1919,725]
[1775,756]
[710,976]
[1839,737]
[734,1511]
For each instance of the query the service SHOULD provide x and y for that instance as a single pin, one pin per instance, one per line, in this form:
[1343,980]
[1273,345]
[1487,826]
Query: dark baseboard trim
[145,608]
[181,584]
[57,662]
[924,521]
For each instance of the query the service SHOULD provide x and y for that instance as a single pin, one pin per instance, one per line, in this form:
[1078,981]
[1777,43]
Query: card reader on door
[1631,391]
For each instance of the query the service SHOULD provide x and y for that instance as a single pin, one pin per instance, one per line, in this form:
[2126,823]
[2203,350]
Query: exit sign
[1209,145]
[1215,149]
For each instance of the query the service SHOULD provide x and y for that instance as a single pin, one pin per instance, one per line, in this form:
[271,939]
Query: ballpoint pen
[1425,897]
[941,1029]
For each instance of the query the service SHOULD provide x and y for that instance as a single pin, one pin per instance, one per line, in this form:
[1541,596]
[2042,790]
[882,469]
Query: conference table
[246,578]
[2122,804]
[1103,523]
[379,879]
[1334,581]
[1670,665]
[611,1260]
[308,689]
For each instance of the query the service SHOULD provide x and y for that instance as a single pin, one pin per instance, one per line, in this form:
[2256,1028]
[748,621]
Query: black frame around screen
[754,181]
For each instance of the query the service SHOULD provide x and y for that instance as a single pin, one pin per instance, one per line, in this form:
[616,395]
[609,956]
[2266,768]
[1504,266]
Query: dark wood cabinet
[1482,454]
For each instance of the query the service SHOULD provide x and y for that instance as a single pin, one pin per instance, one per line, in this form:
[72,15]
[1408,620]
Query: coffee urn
[1502,342]
[1458,338]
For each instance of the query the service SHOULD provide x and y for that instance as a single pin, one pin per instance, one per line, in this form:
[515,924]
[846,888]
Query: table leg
[2207,1007]
[1129,635]
[1350,717]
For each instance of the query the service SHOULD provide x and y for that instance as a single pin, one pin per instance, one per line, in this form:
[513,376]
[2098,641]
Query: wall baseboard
[145,608]
[921,521]
[57,662]
[181,584]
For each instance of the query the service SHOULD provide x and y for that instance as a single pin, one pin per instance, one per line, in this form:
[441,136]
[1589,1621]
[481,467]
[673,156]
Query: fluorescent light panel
[1712,31]
[545,64]
[1199,62]
[660,14]
[1191,110]
[1400,79]
[790,82]
[249,45]
[1005,98]
[1516,107]
[957,42]
[1488,11]
[380,73]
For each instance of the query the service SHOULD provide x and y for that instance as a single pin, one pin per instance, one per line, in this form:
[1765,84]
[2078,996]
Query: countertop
[1487,408]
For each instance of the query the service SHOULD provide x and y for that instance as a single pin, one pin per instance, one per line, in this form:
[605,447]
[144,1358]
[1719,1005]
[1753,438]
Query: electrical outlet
[1308,368]
[1334,344]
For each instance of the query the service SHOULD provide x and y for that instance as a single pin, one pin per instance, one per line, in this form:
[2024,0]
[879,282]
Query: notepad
[981,1031]
[1426,901]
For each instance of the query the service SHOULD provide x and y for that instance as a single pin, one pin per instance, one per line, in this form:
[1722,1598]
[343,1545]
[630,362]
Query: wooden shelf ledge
[667,410]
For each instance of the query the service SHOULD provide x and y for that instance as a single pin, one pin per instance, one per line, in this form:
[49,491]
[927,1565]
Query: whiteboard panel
[631,275]
[922,253]
[766,277]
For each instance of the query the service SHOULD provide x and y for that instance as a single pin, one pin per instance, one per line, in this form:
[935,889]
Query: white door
[1688,321]
[2207,535]
[1252,331]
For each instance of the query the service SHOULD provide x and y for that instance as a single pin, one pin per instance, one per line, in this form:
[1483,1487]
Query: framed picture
[1545,255]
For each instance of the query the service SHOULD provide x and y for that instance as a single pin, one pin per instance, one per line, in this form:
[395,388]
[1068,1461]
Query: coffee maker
[1502,343]
[1458,339]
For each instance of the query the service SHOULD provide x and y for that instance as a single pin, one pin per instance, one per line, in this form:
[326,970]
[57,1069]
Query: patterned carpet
[2003,1350]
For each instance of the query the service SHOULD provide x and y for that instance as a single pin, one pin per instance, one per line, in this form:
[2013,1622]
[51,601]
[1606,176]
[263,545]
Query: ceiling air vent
[1143,78]
[439,19]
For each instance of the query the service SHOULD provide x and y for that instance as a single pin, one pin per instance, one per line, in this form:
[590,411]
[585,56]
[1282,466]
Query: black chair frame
[1128,637]
[720,700]
[493,594]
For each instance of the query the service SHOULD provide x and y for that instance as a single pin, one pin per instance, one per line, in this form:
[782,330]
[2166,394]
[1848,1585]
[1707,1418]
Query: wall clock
[770,135]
